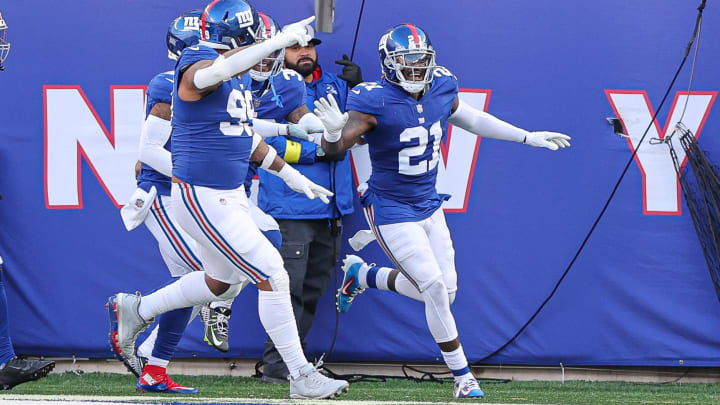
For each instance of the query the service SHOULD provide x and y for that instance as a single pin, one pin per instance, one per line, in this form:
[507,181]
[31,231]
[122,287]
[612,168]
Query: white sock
[146,347]
[457,363]
[188,291]
[276,316]
[362,276]
[379,277]
[154,361]
[224,304]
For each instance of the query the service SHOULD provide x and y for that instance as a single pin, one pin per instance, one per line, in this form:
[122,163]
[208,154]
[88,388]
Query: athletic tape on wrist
[269,158]
[330,137]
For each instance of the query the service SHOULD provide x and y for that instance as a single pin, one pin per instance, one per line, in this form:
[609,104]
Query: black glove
[351,72]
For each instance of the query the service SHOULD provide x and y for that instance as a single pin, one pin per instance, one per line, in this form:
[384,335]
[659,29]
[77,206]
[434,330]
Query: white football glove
[547,139]
[327,109]
[295,33]
[296,181]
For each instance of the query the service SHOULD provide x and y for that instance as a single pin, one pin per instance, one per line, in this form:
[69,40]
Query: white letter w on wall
[661,188]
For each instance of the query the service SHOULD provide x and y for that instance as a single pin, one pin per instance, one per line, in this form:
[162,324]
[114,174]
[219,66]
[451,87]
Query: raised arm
[204,76]
[342,130]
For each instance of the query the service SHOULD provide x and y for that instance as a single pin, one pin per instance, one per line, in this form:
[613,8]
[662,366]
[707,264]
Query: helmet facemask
[4,44]
[268,66]
[413,68]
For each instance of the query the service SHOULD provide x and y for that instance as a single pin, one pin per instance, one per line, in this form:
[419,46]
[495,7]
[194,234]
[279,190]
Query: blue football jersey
[280,95]
[211,141]
[274,100]
[159,90]
[405,146]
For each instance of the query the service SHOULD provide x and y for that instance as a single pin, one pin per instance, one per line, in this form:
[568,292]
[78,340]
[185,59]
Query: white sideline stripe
[150,399]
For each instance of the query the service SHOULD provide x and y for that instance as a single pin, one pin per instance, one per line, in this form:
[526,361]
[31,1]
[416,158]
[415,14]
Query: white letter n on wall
[661,189]
[73,129]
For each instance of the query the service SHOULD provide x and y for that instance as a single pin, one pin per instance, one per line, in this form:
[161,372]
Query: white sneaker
[468,388]
[310,384]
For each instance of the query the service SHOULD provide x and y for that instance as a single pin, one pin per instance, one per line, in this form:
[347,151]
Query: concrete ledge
[246,368]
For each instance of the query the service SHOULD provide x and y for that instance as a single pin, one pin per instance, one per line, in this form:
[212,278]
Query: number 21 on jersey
[406,155]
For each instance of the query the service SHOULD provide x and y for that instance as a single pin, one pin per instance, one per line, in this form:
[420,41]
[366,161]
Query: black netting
[701,187]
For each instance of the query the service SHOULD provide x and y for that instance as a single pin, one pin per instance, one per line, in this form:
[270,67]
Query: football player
[402,117]
[212,144]
[13,370]
[177,249]
[278,97]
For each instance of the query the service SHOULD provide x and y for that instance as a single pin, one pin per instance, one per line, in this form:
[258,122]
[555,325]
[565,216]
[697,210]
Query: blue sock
[171,328]
[275,237]
[6,349]
[371,277]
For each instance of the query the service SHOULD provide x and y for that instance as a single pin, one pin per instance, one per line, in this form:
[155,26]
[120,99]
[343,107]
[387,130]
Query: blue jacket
[277,199]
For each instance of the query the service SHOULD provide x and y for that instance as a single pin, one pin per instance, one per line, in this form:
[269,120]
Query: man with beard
[310,232]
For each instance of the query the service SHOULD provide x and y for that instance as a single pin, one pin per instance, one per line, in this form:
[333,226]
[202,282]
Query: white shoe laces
[470,384]
[221,324]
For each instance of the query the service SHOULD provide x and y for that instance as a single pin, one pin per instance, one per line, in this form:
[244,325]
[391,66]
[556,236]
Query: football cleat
[161,382]
[216,326]
[17,371]
[468,388]
[350,285]
[310,384]
[125,325]
[133,364]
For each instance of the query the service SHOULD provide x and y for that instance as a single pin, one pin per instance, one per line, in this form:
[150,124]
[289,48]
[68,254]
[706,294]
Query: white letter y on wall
[661,189]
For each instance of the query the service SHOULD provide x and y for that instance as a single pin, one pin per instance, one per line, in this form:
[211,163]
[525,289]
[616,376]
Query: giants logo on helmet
[245,18]
[191,23]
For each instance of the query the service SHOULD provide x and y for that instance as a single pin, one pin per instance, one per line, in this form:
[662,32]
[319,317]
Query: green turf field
[95,384]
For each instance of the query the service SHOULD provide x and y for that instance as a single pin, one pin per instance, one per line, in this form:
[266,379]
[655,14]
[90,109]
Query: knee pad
[280,281]
[437,312]
[231,292]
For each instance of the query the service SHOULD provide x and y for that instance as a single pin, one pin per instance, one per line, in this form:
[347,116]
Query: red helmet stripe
[415,35]
[204,19]
[266,21]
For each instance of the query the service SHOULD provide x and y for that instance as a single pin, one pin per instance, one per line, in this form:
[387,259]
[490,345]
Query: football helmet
[407,57]
[228,24]
[184,31]
[271,65]
[4,44]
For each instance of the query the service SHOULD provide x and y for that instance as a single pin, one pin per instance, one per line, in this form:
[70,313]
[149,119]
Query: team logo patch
[223,201]
[139,203]
[330,89]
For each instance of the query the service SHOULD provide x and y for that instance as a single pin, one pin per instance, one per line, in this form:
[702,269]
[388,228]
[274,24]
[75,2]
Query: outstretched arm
[486,125]
[205,76]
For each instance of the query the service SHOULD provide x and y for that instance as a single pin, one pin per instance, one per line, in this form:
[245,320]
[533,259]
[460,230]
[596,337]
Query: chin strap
[276,97]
